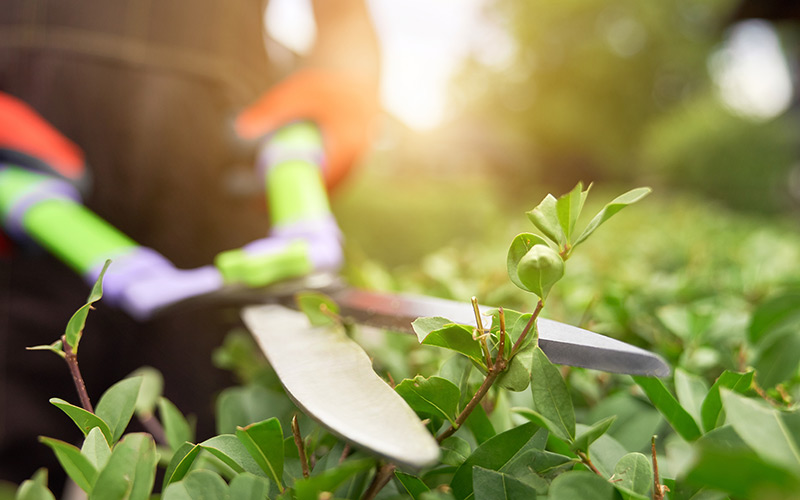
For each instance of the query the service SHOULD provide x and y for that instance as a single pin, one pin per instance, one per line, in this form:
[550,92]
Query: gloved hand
[143,281]
[39,200]
[342,105]
[304,236]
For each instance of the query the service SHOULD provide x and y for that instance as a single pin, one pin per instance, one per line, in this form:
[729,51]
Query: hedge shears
[325,372]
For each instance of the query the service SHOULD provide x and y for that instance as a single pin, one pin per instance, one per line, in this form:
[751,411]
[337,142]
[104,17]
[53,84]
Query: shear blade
[331,379]
[564,344]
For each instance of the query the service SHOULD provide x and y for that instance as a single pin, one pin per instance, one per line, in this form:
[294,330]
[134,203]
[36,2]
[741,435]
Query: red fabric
[22,130]
[341,104]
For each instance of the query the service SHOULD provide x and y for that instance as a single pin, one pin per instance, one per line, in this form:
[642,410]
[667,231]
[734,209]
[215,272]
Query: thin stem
[72,362]
[494,372]
[345,452]
[481,333]
[501,346]
[382,477]
[531,322]
[301,449]
[658,492]
[154,427]
[588,462]
[324,309]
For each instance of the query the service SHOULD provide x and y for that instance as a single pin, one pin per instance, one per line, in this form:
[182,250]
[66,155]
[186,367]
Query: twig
[382,477]
[298,441]
[494,371]
[72,362]
[345,452]
[481,334]
[658,492]
[761,392]
[531,322]
[588,463]
[501,346]
[324,309]
[154,427]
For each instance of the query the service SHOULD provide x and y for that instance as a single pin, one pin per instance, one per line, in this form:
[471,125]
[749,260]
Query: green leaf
[96,448]
[181,463]
[569,208]
[691,391]
[117,404]
[611,209]
[413,485]
[35,488]
[233,453]
[176,428]
[550,394]
[520,246]
[665,402]
[543,463]
[131,470]
[592,434]
[492,485]
[442,332]
[778,356]
[310,488]
[314,305]
[149,392]
[455,451]
[479,425]
[85,420]
[249,487]
[77,322]
[581,484]
[56,347]
[264,442]
[773,313]
[634,473]
[198,485]
[241,406]
[434,397]
[772,434]
[75,464]
[545,218]
[605,452]
[711,410]
[496,453]
[534,416]
[740,473]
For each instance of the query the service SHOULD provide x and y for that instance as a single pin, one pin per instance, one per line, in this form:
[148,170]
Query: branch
[382,477]
[588,463]
[524,334]
[658,490]
[154,427]
[298,441]
[72,362]
[494,371]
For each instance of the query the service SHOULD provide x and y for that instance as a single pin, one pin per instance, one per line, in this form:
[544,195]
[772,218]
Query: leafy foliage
[723,428]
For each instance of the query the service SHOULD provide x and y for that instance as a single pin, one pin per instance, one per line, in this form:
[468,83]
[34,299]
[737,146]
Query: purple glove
[143,281]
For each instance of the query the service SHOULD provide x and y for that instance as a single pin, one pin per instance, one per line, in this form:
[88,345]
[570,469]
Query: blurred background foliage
[619,93]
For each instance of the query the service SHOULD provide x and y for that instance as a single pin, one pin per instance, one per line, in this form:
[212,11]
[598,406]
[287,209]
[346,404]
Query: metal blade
[563,344]
[331,379]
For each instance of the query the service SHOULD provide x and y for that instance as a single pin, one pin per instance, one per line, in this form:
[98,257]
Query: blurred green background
[694,98]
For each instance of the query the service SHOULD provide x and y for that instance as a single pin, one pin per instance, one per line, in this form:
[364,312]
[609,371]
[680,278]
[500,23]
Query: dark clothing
[149,90]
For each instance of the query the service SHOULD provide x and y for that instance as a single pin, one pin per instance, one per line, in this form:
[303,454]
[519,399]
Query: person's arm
[40,171]
[346,40]
[324,112]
